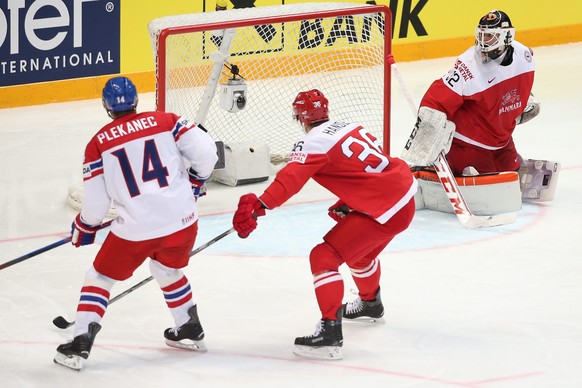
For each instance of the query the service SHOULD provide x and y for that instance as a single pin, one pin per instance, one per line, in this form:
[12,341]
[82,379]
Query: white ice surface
[494,308]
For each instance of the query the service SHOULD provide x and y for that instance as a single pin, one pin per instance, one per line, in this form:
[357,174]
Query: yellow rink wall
[422,29]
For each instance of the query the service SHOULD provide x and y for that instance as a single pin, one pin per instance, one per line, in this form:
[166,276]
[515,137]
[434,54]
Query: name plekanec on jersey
[126,128]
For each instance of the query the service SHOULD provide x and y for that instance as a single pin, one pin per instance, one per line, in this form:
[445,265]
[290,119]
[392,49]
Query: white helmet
[493,35]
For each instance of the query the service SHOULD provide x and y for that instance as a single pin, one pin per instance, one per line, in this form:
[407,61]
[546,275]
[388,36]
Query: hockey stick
[44,249]
[464,214]
[447,179]
[62,323]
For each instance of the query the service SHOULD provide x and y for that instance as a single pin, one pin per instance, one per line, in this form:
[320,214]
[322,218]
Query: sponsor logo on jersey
[189,218]
[463,69]
[298,157]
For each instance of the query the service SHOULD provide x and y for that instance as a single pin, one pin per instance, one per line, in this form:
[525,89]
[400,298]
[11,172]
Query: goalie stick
[447,179]
[62,323]
[44,249]
[464,214]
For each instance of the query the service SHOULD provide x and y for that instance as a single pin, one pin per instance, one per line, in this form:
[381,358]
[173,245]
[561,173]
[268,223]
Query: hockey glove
[532,109]
[338,211]
[81,233]
[245,217]
[198,184]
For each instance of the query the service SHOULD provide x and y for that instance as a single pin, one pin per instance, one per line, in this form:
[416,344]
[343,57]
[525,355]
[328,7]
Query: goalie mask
[310,107]
[119,95]
[493,35]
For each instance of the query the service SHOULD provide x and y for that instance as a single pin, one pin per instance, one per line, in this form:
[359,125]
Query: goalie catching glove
[81,233]
[532,109]
[245,217]
[198,184]
[431,135]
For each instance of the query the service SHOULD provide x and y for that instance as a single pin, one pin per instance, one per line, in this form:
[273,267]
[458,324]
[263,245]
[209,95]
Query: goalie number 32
[370,152]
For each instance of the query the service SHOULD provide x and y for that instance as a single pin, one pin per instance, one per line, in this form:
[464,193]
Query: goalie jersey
[348,161]
[484,100]
[137,161]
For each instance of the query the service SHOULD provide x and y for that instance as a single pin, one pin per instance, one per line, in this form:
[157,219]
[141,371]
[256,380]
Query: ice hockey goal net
[341,49]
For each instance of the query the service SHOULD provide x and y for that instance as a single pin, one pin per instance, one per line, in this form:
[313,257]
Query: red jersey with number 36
[348,161]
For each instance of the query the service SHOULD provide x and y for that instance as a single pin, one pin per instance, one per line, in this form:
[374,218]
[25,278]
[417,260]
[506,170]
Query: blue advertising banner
[48,40]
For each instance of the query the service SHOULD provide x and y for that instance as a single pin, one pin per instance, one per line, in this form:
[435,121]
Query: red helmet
[310,107]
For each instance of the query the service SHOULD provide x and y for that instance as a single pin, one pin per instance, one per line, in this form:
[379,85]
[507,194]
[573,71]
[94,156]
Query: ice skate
[325,343]
[189,336]
[73,353]
[365,311]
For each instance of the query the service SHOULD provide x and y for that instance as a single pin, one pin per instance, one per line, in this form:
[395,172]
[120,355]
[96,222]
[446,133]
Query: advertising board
[49,40]
[77,44]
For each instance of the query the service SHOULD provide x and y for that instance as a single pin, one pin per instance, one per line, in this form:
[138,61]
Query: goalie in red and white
[376,202]
[480,101]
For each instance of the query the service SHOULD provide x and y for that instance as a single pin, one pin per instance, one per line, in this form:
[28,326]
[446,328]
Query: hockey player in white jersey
[137,162]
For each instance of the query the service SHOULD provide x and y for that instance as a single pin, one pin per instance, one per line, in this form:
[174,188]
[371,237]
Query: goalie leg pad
[539,179]
[419,199]
[487,194]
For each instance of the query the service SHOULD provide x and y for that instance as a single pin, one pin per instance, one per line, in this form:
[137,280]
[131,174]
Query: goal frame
[160,57]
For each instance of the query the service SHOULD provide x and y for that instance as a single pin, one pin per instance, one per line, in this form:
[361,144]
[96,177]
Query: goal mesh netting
[338,48]
[341,49]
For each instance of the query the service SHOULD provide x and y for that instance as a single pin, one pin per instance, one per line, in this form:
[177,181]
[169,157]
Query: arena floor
[488,308]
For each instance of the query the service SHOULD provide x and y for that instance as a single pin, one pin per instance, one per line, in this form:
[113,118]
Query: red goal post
[341,49]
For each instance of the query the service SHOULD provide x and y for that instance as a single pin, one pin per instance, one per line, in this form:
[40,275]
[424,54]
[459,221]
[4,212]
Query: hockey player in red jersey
[376,202]
[137,162]
[485,95]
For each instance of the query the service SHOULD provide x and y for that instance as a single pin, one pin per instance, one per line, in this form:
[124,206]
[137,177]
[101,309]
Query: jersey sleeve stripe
[179,130]
[92,169]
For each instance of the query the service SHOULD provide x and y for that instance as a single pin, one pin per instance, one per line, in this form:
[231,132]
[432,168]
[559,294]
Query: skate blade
[196,346]
[330,353]
[364,320]
[72,362]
